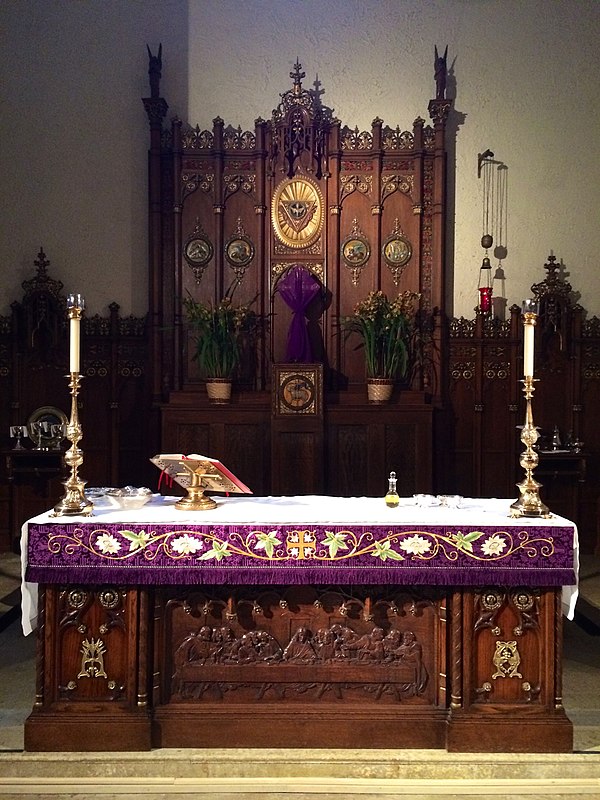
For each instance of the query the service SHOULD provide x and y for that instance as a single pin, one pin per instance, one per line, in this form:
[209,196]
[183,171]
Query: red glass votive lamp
[485,299]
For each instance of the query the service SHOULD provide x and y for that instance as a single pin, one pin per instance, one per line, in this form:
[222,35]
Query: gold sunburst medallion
[297,212]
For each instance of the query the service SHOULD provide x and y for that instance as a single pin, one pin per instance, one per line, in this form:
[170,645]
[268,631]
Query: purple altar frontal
[301,540]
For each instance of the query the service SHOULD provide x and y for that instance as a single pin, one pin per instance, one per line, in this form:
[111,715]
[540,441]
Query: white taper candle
[75,304]
[530,312]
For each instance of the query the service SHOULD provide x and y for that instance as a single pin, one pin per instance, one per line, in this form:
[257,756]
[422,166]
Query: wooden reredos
[301,189]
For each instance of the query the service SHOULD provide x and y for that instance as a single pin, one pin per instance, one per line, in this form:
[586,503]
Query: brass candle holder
[529,503]
[74,500]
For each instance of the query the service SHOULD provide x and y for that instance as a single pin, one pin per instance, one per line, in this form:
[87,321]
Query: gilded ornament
[356,183]
[396,183]
[355,251]
[236,139]
[235,183]
[77,598]
[355,139]
[92,659]
[506,659]
[396,139]
[297,212]
[491,600]
[109,598]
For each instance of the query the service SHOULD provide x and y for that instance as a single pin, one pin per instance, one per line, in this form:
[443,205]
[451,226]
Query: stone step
[292,762]
[299,788]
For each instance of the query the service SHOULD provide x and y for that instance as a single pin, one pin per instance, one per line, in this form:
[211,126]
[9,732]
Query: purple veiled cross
[298,287]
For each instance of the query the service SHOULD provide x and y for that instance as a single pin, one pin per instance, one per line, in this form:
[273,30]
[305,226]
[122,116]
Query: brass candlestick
[529,503]
[74,500]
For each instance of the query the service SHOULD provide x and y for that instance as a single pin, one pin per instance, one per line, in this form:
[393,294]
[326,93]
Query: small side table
[561,472]
[34,484]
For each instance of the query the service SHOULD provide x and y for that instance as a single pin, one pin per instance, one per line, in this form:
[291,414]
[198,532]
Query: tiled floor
[299,775]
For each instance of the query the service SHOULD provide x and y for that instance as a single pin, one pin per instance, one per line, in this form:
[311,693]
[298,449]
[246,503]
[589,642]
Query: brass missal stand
[195,500]
[196,474]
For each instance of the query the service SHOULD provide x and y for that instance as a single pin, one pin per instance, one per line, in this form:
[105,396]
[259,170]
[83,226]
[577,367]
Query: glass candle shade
[485,299]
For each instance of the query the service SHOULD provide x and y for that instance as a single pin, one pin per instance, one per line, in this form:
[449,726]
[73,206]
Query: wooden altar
[318,622]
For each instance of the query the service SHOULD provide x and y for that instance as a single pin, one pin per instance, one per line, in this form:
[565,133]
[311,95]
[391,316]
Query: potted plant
[385,328]
[218,331]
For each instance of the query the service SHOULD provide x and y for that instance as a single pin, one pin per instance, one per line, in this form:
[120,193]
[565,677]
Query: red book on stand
[211,473]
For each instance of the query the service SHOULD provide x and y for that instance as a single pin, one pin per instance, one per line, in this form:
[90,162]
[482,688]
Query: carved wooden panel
[364,445]
[314,666]
[506,660]
[302,644]
[91,685]
[297,457]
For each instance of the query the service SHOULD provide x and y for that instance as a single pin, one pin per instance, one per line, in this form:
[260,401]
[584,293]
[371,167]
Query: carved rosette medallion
[77,598]
[297,212]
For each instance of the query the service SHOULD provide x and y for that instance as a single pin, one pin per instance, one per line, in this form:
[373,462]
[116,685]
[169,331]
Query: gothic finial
[296,75]
[551,266]
[41,263]
[317,91]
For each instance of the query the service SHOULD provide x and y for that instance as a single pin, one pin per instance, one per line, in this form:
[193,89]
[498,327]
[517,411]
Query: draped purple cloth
[443,555]
[298,287]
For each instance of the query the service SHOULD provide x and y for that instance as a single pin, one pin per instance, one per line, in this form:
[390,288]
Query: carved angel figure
[441,73]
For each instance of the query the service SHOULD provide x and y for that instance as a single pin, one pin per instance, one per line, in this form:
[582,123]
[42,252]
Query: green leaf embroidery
[218,551]
[383,550]
[463,542]
[137,541]
[335,542]
[267,542]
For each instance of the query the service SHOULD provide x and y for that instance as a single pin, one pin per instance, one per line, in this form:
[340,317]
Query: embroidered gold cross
[301,544]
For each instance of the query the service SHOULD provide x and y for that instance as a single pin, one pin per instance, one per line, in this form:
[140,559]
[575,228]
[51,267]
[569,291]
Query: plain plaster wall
[74,134]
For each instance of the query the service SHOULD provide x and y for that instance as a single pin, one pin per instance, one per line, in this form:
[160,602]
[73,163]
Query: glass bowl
[128,498]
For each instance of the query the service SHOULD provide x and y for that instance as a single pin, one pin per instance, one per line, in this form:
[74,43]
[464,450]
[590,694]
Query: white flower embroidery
[494,545]
[415,544]
[107,543]
[186,544]
[294,551]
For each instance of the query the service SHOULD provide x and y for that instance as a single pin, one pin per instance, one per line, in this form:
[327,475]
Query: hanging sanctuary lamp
[484,164]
